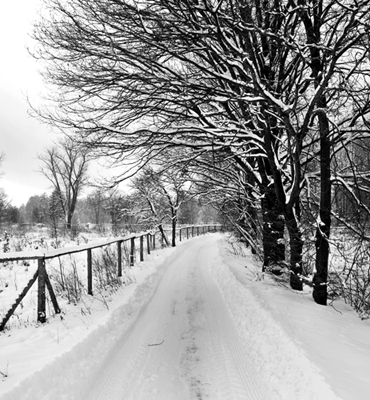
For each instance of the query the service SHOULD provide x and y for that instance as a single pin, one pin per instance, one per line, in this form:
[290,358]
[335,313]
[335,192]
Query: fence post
[148,243]
[132,251]
[153,237]
[187,232]
[41,296]
[141,248]
[180,235]
[119,255]
[52,294]
[197,230]
[89,272]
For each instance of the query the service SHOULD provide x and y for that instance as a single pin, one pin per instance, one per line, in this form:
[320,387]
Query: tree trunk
[174,224]
[296,248]
[252,212]
[323,228]
[69,221]
[273,231]
[247,222]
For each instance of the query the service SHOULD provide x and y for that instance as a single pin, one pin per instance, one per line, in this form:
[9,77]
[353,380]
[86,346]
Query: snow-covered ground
[196,323]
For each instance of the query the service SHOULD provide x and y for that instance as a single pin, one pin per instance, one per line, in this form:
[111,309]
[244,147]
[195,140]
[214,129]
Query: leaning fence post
[89,272]
[119,255]
[41,296]
[52,294]
[141,248]
[18,301]
[132,251]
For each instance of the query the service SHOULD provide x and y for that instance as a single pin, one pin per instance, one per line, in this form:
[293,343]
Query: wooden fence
[42,276]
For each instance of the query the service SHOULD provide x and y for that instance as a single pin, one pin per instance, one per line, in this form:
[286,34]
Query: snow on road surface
[184,345]
[198,327]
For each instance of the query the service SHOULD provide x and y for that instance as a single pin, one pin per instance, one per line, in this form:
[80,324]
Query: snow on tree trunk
[323,226]
[296,248]
[273,230]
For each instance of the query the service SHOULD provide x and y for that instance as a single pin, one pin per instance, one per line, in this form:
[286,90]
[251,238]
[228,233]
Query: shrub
[105,271]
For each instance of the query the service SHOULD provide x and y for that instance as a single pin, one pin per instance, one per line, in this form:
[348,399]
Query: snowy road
[193,324]
[184,344]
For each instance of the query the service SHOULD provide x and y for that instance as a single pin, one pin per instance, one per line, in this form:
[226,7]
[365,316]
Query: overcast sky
[22,137]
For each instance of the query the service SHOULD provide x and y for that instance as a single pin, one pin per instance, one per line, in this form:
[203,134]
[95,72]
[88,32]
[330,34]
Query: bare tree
[65,166]
[176,187]
[267,84]
[190,100]
[150,201]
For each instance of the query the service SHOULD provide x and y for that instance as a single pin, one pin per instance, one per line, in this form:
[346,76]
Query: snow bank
[304,351]
[67,371]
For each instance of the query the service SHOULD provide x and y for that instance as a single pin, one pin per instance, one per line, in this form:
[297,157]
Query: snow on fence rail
[42,276]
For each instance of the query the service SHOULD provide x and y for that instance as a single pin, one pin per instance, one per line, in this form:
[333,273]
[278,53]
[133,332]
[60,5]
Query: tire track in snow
[137,370]
[236,376]
[196,354]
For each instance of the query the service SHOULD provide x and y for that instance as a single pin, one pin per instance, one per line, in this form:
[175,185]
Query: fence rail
[42,276]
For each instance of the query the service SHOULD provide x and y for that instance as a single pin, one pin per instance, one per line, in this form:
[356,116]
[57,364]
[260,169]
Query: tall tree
[175,186]
[268,83]
[65,166]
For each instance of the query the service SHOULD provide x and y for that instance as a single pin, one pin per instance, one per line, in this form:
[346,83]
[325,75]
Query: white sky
[22,138]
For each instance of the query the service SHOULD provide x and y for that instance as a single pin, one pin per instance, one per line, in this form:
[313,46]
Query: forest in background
[112,213]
